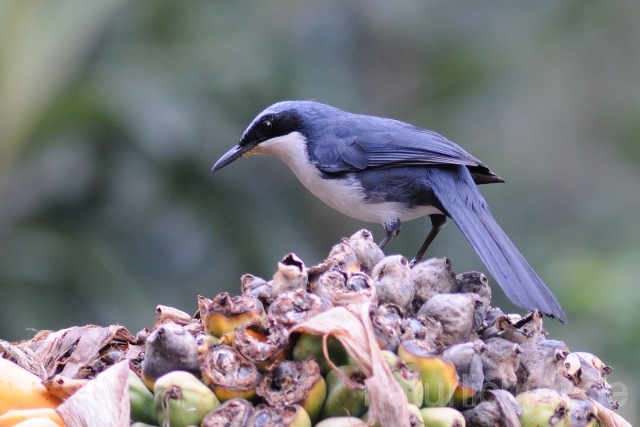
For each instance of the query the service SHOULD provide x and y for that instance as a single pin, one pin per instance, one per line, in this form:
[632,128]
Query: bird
[386,171]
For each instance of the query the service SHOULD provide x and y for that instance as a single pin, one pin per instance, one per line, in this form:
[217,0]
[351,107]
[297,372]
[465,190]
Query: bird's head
[279,122]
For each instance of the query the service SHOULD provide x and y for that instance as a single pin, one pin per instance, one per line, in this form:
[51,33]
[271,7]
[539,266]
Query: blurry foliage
[112,113]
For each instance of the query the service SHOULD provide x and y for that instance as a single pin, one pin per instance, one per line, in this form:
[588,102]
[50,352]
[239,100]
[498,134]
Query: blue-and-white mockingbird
[386,171]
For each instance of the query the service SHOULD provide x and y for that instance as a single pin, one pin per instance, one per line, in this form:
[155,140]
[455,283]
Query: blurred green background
[112,114]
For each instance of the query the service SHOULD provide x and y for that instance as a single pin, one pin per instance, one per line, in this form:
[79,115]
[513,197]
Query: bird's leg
[438,221]
[392,230]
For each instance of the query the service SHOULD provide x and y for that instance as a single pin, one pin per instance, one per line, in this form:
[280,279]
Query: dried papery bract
[352,326]
[229,374]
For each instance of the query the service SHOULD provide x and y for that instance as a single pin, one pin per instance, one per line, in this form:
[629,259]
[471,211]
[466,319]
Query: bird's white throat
[344,195]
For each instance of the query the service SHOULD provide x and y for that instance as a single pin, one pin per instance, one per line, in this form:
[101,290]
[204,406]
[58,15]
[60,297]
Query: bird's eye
[265,126]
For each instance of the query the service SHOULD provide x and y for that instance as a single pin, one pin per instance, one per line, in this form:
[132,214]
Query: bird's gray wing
[400,148]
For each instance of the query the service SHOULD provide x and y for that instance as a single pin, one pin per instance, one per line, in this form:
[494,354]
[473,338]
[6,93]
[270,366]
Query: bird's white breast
[344,195]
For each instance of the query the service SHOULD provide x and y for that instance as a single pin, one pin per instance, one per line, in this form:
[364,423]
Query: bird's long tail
[467,208]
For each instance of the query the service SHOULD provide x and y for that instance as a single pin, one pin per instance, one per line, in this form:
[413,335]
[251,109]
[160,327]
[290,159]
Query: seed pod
[499,408]
[225,313]
[459,314]
[442,417]
[466,358]
[539,366]
[544,407]
[409,379]
[392,279]
[291,275]
[343,257]
[257,287]
[288,382]
[229,374]
[308,345]
[387,325]
[342,288]
[293,307]
[169,348]
[477,283]
[232,413]
[261,345]
[141,401]
[439,377]
[500,362]
[367,251]
[182,400]
[583,413]
[346,394]
[431,277]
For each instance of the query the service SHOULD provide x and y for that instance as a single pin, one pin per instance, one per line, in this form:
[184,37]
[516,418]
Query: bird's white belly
[345,194]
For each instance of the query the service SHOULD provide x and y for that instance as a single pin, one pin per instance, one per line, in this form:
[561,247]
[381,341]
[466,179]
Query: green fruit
[182,400]
[341,399]
[442,417]
[141,400]
[311,345]
[544,407]
[409,380]
[439,377]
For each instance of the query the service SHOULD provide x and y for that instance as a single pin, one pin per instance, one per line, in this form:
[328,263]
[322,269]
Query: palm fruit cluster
[249,359]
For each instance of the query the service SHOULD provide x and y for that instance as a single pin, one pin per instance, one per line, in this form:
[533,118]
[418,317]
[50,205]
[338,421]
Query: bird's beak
[230,156]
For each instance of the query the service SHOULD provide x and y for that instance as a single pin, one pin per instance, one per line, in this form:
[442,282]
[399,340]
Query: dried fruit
[169,348]
[229,374]
[225,313]
[232,413]
[288,383]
